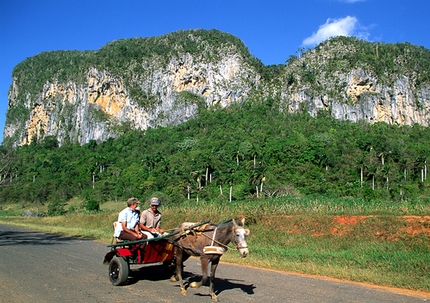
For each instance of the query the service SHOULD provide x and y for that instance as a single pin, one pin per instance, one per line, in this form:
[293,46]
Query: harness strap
[213,237]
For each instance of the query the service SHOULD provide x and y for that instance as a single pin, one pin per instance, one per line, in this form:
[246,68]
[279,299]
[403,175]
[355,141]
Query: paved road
[38,267]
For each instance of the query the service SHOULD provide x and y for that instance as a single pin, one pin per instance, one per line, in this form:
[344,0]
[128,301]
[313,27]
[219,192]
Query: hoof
[214,298]
[195,285]
[173,279]
[183,291]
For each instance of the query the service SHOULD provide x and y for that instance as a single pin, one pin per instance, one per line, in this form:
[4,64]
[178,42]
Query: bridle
[236,245]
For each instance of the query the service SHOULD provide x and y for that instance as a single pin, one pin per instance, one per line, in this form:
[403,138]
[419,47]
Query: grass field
[384,244]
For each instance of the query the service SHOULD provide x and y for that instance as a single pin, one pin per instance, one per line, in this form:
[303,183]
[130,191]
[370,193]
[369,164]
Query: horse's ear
[241,220]
[247,231]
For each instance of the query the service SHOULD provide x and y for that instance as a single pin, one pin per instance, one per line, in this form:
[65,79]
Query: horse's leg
[175,277]
[214,265]
[204,260]
[178,271]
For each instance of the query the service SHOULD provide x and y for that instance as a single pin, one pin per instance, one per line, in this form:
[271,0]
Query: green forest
[244,153]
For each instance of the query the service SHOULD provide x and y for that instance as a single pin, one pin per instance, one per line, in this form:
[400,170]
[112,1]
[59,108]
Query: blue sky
[271,29]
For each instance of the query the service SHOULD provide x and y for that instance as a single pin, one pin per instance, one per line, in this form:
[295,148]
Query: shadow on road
[30,238]
[226,284]
[158,273]
[149,272]
[220,285]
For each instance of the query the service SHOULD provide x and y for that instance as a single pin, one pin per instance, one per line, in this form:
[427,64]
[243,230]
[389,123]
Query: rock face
[348,79]
[102,106]
[368,101]
[98,102]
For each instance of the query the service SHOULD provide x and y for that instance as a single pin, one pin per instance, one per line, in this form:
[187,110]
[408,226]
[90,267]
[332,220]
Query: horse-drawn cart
[205,240]
[155,251]
[123,254]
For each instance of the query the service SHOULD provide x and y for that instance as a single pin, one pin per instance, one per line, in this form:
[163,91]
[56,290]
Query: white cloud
[336,27]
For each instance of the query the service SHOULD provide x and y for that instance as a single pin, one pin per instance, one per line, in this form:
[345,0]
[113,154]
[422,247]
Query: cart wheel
[118,271]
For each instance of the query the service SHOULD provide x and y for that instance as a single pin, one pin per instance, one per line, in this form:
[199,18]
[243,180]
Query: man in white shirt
[128,222]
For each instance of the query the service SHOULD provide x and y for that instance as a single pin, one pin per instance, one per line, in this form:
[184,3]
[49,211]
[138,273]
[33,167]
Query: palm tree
[5,161]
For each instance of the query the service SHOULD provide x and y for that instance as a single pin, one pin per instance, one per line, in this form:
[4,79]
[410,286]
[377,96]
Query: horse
[208,242]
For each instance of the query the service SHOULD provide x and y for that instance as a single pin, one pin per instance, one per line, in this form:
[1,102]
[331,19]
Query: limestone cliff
[141,83]
[350,80]
[154,91]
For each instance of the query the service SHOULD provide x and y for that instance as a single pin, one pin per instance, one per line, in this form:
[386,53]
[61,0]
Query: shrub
[56,208]
[92,205]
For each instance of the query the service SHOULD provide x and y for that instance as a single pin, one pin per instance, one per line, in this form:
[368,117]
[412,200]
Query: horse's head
[240,234]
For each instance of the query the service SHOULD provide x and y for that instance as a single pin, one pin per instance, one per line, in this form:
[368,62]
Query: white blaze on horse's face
[240,237]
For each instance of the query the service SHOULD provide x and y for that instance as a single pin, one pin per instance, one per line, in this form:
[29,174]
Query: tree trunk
[231,190]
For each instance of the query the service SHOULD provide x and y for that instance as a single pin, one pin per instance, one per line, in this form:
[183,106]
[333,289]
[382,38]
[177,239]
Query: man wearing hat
[150,220]
[128,222]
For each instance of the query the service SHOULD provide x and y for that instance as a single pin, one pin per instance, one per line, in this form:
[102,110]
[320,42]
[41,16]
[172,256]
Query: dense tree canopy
[252,149]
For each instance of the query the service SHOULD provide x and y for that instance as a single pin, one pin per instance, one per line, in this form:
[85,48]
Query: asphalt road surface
[38,267]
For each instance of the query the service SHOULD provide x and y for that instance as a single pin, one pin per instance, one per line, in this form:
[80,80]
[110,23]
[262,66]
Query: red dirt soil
[416,225]
[342,225]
